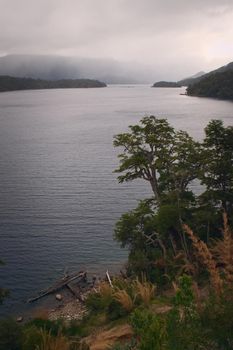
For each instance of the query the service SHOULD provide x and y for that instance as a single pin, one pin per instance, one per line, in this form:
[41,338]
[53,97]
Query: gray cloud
[174,37]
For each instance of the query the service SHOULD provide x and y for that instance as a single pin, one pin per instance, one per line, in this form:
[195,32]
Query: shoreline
[65,303]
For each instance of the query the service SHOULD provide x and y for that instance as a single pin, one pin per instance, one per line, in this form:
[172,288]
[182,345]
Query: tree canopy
[155,152]
[170,160]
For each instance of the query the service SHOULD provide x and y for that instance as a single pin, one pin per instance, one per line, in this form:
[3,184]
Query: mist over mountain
[58,67]
[199,76]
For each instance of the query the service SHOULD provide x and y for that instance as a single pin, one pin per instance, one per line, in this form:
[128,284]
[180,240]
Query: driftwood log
[63,282]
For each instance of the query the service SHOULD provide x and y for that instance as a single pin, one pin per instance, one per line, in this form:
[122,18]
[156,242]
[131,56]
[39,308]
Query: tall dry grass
[205,256]
[144,290]
[123,297]
[53,343]
[105,290]
[222,251]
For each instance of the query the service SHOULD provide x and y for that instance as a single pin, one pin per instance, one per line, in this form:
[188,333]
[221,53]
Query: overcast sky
[182,35]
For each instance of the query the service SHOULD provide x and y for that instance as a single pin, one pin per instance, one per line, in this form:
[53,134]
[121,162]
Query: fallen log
[59,285]
[77,293]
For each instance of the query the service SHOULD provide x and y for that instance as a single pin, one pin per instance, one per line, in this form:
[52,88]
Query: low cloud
[174,37]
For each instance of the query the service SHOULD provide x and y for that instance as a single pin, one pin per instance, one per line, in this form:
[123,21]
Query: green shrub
[31,337]
[95,302]
[150,330]
[115,310]
[10,335]
[73,328]
[217,320]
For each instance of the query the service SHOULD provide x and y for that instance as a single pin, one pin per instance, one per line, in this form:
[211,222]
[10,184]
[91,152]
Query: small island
[167,84]
[8,83]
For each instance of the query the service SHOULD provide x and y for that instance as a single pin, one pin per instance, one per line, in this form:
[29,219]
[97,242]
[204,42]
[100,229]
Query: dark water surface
[59,198]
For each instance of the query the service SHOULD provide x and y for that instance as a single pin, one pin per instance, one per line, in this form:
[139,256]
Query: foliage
[48,342]
[150,330]
[144,290]
[155,152]
[52,327]
[178,330]
[205,257]
[222,251]
[217,172]
[10,335]
[125,300]
[184,295]
[217,259]
[217,320]
[170,160]
[31,337]
[122,298]
[218,85]
[116,310]
[97,302]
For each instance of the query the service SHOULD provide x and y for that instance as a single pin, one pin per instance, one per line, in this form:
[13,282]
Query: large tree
[155,152]
[170,160]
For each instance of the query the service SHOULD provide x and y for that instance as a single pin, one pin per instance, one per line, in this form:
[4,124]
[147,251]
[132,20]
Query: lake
[59,197]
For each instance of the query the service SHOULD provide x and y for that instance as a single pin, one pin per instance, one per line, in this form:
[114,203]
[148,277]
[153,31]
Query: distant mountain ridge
[8,83]
[217,83]
[198,77]
[192,79]
[52,67]
[183,82]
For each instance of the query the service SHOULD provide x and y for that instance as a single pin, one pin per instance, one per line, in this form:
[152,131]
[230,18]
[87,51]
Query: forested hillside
[8,83]
[217,85]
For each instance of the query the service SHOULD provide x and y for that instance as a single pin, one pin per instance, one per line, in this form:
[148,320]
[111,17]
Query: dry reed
[105,290]
[145,291]
[223,251]
[124,299]
[207,259]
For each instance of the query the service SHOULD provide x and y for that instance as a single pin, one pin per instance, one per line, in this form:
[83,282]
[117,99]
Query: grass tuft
[124,299]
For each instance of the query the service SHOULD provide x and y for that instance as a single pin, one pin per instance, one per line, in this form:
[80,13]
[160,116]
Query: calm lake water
[59,197]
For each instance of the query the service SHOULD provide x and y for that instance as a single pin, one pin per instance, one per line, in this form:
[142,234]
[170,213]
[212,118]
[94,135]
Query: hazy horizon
[145,72]
[166,39]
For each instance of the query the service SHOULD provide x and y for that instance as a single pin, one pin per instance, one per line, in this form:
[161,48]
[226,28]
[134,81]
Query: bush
[150,330]
[10,335]
[31,337]
[217,319]
[95,302]
[115,310]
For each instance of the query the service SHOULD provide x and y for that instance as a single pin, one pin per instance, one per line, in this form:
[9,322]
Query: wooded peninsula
[8,83]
